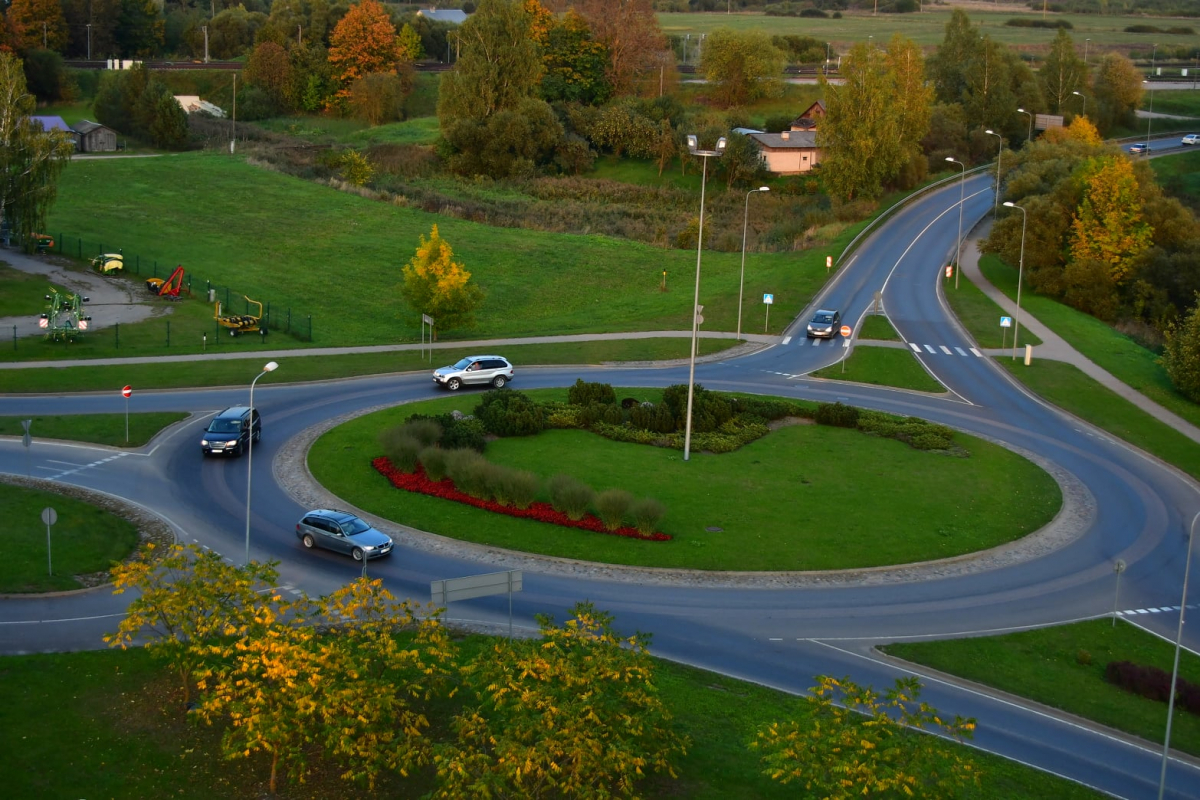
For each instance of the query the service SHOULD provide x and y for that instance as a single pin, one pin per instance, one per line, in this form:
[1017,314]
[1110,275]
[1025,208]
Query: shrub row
[1152,683]
[915,432]
[1022,22]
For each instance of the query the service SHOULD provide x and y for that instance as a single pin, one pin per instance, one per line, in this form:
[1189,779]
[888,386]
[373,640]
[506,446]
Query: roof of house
[746,131]
[192,103]
[454,16]
[796,140]
[52,123]
[85,127]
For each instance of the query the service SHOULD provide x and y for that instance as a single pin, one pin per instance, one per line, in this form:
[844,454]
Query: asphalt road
[1133,508]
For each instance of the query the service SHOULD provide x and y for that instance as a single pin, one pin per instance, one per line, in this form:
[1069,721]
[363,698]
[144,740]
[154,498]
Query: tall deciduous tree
[364,42]
[1118,91]
[574,62]
[1108,227]
[629,30]
[1181,355]
[1063,72]
[960,47]
[499,64]
[436,285]
[859,744]
[31,159]
[741,66]
[270,69]
[38,23]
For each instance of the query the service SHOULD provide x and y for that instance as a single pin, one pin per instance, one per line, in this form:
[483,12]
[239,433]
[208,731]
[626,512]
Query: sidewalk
[1055,348]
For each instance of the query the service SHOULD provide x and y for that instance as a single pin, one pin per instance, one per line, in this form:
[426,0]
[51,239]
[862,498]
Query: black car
[230,431]
[342,532]
[825,324]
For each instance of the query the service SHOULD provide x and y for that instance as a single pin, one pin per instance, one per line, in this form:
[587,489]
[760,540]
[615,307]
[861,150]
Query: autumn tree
[629,31]
[296,22]
[31,159]
[187,599]
[364,42]
[858,743]
[1181,353]
[436,285]
[1063,72]
[741,66]
[37,23]
[270,69]
[1118,91]
[573,714]
[573,62]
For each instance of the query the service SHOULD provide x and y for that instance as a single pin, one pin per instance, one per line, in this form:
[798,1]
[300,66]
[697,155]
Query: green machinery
[64,319]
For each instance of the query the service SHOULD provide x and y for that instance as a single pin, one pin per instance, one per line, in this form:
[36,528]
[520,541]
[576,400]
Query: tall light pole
[205,29]
[1086,42]
[962,187]
[1150,83]
[742,281]
[271,366]
[89,30]
[1020,275]
[1028,136]
[1187,566]
[1084,96]
[999,154]
[693,148]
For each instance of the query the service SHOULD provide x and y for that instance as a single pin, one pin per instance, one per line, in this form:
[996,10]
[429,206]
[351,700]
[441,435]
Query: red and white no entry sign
[845,330]
[126,391]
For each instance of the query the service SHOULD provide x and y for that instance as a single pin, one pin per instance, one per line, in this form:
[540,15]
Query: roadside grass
[758,496]
[107,429]
[422,130]
[1065,386]
[318,366]
[1183,102]
[1118,354]
[24,293]
[293,241]
[882,366]
[1063,667]
[879,327]
[1179,176]
[84,540]
[980,315]
[131,738]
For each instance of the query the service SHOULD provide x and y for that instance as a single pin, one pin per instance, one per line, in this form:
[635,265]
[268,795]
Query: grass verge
[24,294]
[130,738]
[980,315]
[877,326]
[1063,667]
[755,497]
[882,366]
[85,540]
[106,429]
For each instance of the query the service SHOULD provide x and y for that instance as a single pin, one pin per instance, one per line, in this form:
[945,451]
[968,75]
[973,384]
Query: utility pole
[44,45]
[205,29]
[300,35]
[233,141]
[89,30]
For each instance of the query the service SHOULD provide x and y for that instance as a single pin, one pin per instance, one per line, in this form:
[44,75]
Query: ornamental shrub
[584,393]
[611,507]
[433,459]
[929,441]
[400,448]
[569,496]
[561,415]
[613,415]
[837,415]
[462,467]
[495,478]
[646,514]
[641,416]
[523,487]
[1153,683]
[505,412]
[425,430]
[458,431]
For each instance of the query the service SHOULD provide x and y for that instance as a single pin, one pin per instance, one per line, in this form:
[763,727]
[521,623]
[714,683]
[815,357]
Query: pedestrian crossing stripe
[1152,610]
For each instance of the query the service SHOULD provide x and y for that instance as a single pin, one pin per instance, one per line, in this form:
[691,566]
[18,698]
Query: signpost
[828,264]
[768,301]
[49,516]
[427,320]
[448,591]
[26,442]
[949,271]
[126,392]
[846,330]
[1005,324]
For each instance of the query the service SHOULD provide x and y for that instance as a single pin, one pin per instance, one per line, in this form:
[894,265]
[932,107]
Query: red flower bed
[541,512]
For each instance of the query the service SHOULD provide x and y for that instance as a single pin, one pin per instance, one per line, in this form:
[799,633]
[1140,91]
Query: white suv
[1192,138]
[494,370]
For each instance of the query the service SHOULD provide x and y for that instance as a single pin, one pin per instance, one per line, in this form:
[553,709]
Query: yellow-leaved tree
[1108,225]
[436,285]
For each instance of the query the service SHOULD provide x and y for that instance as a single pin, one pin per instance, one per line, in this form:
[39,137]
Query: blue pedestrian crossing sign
[768,299]
[1006,322]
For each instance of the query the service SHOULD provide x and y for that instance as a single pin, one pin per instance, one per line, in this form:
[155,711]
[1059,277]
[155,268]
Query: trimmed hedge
[1152,683]
[508,413]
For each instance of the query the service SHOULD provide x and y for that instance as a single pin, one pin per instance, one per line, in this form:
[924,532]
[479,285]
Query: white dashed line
[961,352]
[916,348]
[977,353]
[945,349]
[787,339]
[930,349]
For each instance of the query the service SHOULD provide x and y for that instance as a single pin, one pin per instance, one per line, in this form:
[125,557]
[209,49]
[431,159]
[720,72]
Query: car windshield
[823,317]
[225,426]
[463,363]
[354,525]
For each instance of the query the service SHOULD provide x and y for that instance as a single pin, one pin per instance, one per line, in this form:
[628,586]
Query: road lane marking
[787,339]
[977,353]
[916,348]
[82,467]
[930,349]
[945,349]
[961,352]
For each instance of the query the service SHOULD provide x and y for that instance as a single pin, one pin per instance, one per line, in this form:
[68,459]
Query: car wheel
[309,542]
[453,384]
[258,436]
[499,381]
[357,553]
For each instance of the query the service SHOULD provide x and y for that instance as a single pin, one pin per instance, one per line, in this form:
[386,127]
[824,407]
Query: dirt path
[112,299]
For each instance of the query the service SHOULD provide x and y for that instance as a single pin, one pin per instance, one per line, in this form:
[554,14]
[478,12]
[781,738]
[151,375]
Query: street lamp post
[1086,42]
[742,280]
[1150,83]
[1187,566]
[271,366]
[962,186]
[1084,96]
[1028,136]
[89,31]
[693,148]
[999,155]
[1020,275]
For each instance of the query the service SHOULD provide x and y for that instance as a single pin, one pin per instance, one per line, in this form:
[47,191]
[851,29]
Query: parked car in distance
[494,370]
[343,533]
[229,432]
[824,324]
[1138,147]
[1192,138]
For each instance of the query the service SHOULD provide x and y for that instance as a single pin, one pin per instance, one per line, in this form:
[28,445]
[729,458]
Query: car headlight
[204,442]
[231,442]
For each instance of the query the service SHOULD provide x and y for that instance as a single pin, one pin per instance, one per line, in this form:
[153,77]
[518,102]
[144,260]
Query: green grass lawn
[95,428]
[1063,667]
[1118,354]
[236,372]
[980,315]
[131,739]
[882,366]
[24,294]
[292,241]
[84,540]
[1179,176]
[760,495]
[877,326]
[1182,102]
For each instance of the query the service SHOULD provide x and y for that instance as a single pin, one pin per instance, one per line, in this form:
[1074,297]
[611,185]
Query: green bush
[505,412]
[523,487]
[929,441]
[463,466]
[457,431]
[400,448]
[647,513]
[497,481]
[583,393]
[561,415]
[433,459]
[612,505]
[425,430]
[569,496]
[837,415]
[613,415]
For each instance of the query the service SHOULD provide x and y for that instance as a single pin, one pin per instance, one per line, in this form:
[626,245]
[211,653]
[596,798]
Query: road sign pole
[26,442]
[49,516]
[126,420]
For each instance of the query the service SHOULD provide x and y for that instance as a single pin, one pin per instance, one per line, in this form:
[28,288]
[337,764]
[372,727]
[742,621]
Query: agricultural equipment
[168,288]
[64,319]
[241,323]
[108,262]
[43,242]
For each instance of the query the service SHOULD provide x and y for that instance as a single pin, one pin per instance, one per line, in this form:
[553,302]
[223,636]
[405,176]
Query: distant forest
[1156,8]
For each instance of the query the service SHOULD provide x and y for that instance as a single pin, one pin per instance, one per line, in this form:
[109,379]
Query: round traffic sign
[845,330]
[49,515]
[126,391]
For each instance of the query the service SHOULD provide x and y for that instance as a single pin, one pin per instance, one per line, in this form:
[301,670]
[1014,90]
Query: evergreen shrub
[505,412]
[584,393]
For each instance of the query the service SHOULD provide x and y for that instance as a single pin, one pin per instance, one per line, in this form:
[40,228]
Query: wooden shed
[95,138]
